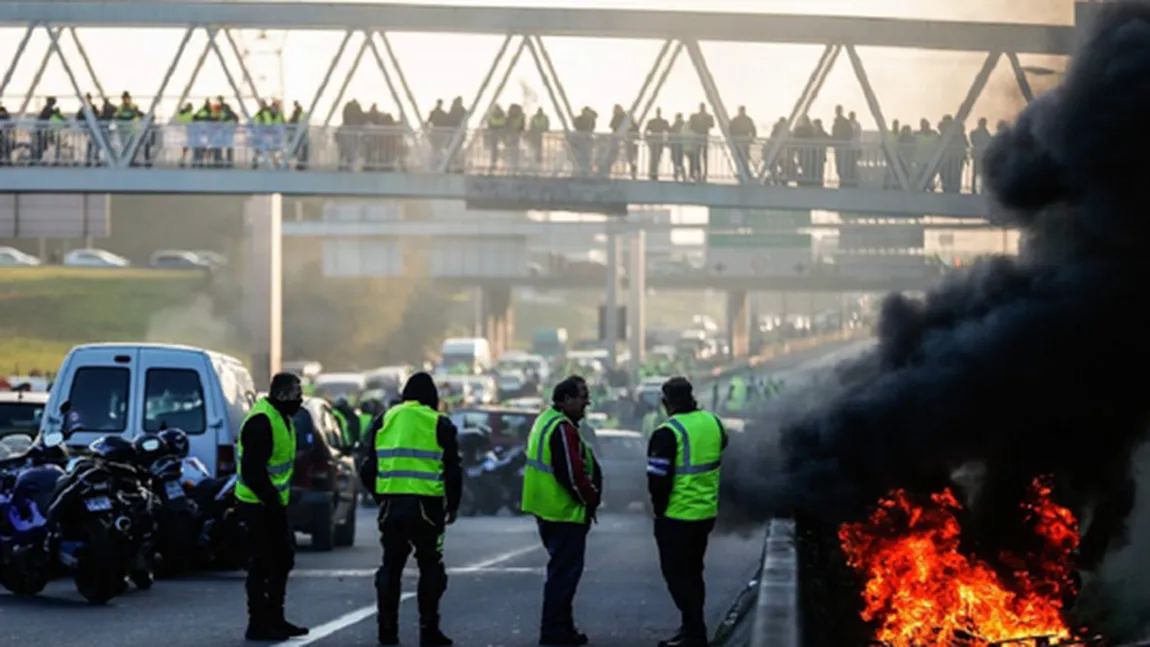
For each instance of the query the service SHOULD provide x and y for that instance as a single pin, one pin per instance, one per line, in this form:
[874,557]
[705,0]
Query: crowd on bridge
[684,148]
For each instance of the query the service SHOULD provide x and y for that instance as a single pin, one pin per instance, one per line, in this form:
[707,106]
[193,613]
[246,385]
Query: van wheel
[345,533]
[323,536]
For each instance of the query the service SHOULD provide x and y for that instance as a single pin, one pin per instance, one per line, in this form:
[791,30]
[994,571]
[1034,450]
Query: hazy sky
[600,73]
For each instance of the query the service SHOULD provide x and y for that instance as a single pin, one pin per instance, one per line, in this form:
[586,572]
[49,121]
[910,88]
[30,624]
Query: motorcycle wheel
[467,503]
[98,578]
[144,574]
[490,507]
[177,548]
[27,585]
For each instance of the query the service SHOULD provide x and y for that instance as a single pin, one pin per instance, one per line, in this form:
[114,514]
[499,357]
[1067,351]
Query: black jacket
[400,505]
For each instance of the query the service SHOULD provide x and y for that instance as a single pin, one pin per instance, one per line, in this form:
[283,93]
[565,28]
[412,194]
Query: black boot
[431,636]
[261,628]
[280,623]
[388,632]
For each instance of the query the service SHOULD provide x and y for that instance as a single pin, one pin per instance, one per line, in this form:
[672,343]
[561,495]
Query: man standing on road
[266,450]
[561,487]
[417,479]
[683,460]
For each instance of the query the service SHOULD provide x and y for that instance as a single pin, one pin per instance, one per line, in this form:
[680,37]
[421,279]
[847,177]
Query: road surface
[493,598]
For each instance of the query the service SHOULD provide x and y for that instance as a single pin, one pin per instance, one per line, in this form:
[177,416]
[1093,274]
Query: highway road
[493,599]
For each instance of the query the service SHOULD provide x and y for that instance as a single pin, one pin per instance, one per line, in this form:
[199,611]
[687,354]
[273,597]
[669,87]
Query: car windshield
[20,416]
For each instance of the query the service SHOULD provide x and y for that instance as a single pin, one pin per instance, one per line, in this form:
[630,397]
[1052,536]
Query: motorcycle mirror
[52,439]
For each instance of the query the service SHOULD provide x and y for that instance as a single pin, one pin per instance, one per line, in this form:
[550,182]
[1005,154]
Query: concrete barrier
[766,612]
[776,618]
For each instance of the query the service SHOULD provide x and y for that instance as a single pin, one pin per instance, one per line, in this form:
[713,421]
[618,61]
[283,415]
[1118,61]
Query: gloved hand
[592,514]
[450,516]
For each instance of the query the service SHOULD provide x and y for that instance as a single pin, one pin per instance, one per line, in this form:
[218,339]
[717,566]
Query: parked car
[20,412]
[325,482]
[175,259]
[12,257]
[94,258]
[622,456]
[509,426]
[211,258]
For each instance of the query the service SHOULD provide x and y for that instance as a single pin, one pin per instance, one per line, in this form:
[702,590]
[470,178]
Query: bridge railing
[665,158]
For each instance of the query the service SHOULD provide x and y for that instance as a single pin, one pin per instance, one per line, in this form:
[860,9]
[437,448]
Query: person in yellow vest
[683,466]
[417,479]
[652,419]
[266,451]
[561,486]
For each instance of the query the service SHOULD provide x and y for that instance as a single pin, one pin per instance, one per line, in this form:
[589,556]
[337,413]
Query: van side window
[99,395]
[174,396]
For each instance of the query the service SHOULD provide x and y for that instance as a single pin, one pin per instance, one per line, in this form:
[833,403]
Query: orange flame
[921,591]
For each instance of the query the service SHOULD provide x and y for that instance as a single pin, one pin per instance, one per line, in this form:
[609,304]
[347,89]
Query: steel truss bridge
[563,170]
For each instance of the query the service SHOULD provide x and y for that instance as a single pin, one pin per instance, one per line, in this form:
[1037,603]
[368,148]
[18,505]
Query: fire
[922,592]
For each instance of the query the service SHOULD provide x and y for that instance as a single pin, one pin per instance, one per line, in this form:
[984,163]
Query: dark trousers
[399,536]
[566,545]
[271,548]
[682,547]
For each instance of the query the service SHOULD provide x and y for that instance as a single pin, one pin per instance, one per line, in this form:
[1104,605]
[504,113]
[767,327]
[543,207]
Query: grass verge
[44,311]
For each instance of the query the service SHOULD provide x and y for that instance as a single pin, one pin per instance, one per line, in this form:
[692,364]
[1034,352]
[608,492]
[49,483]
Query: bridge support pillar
[738,323]
[264,287]
[497,318]
[637,308]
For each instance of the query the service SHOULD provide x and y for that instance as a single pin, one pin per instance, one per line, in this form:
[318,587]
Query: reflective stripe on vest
[695,493]
[409,459]
[282,461]
[543,495]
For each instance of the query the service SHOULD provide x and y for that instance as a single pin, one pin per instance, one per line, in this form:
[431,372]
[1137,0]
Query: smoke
[1021,366]
[194,323]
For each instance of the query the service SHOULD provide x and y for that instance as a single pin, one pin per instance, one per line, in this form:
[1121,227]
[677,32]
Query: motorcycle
[220,538]
[135,500]
[159,460]
[92,518]
[494,482]
[28,482]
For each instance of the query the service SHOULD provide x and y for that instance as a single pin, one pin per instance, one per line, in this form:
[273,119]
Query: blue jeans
[566,545]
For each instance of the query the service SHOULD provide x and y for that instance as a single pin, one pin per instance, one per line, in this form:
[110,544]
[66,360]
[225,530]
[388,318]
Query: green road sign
[750,239]
[757,219]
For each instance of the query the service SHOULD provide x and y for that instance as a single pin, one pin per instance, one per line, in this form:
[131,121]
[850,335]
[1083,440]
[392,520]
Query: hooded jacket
[397,507]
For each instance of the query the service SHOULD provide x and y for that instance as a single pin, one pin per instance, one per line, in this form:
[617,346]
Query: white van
[474,352]
[128,389]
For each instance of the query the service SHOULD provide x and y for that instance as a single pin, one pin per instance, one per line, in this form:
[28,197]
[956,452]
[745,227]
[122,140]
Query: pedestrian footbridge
[556,171]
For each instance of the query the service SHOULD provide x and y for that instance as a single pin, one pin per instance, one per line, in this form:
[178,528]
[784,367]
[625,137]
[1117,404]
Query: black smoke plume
[1022,366]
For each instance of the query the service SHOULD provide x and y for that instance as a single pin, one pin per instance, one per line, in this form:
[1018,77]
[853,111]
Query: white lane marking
[370,572]
[359,615]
